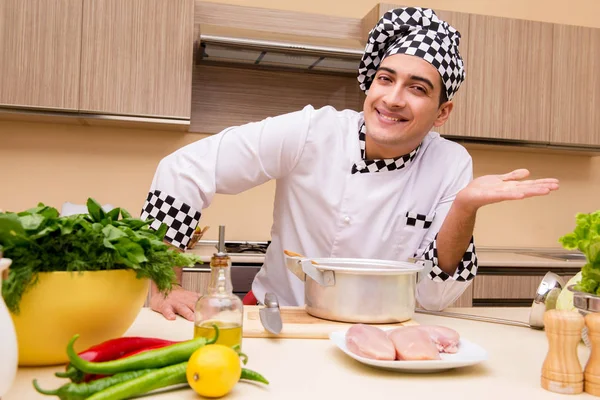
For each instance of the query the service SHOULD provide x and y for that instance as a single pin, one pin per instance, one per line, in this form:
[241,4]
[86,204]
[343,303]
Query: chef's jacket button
[347,219]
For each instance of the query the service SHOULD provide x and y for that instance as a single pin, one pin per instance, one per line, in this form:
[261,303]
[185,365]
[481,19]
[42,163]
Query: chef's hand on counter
[179,301]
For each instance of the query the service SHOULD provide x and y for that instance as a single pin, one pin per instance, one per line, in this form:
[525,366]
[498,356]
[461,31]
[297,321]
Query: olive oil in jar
[219,306]
[230,334]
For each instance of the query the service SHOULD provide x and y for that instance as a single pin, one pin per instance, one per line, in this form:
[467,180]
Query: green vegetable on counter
[586,238]
[40,240]
[82,391]
[157,358]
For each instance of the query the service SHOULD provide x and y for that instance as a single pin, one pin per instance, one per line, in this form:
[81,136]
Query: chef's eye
[384,78]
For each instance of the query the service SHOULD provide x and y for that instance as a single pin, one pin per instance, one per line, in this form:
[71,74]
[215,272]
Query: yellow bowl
[98,305]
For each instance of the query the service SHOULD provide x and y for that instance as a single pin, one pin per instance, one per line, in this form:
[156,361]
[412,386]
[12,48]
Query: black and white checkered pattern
[419,220]
[419,32]
[180,218]
[386,164]
[467,268]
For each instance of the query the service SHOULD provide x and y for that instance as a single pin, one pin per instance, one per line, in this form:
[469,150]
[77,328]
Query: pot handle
[323,278]
[293,264]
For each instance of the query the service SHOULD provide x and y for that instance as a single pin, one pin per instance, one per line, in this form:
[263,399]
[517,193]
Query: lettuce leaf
[586,238]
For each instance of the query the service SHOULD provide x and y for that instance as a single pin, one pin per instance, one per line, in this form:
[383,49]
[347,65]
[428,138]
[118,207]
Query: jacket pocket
[419,220]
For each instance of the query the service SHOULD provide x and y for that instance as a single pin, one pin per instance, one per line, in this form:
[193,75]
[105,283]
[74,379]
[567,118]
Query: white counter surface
[316,369]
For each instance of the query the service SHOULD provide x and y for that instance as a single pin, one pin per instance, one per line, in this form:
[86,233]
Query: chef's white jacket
[329,201]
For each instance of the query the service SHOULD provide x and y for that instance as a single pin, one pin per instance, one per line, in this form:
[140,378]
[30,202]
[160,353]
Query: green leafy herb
[586,238]
[40,240]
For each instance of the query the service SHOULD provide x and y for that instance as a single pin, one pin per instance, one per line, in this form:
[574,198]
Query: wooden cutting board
[297,323]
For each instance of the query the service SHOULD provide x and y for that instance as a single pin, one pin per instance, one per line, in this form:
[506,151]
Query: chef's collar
[378,165]
[419,32]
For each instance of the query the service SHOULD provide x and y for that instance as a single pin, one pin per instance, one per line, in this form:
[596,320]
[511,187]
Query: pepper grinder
[592,368]
[561,371]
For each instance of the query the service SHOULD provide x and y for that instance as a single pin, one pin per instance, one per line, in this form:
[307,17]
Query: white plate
[468,353]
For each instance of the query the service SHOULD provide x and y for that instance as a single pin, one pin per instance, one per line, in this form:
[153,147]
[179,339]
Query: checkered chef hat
[419,32]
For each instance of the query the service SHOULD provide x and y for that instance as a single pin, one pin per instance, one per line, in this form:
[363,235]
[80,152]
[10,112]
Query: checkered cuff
[180,218]
[467,268]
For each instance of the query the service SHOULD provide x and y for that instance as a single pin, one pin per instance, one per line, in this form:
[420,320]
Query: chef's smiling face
[402,106]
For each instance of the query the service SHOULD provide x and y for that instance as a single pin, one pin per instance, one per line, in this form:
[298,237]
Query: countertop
[487,257]
[316,369]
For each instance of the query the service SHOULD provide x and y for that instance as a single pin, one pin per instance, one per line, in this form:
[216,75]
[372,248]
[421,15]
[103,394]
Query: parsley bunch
[39,240]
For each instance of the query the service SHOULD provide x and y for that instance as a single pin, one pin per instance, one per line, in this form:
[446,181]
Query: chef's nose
[395,97]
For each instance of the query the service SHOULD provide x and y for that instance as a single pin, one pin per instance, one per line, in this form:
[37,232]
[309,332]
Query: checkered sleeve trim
[420,220]
[180,218]
[467,268]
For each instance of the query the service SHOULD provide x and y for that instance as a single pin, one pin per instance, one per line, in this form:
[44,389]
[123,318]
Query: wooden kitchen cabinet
[195,281]
[505,286]
[465,299]
[40,49]
[457,122]
[510,78]
[576,86]
[137,57]
[508,289]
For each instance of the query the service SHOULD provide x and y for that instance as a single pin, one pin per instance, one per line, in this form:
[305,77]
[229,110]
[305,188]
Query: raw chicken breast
[412,343]
[370,342]
[445,339]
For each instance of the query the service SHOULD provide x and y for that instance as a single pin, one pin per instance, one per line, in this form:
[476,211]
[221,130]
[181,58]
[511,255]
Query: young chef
[373,184]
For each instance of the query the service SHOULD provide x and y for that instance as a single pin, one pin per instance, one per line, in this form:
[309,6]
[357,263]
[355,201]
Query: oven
[246,260]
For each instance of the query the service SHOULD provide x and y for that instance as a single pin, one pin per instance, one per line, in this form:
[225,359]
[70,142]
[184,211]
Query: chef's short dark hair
[443,95]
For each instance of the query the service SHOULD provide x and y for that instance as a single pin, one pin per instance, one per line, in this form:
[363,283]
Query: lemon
[213,370]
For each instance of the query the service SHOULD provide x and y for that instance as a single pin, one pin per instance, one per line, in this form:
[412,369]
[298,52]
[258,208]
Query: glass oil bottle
[219,306]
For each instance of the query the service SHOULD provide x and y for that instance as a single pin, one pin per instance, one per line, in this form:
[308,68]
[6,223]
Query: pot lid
[366,266]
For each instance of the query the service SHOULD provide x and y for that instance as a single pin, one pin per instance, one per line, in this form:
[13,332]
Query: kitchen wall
[55,163]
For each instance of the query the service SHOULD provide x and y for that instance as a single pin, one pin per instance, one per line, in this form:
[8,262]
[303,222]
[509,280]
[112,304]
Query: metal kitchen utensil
[270,316]
[545,299]
[355,289]
[585,303]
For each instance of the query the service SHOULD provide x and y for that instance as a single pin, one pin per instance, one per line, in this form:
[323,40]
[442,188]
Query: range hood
[219,44]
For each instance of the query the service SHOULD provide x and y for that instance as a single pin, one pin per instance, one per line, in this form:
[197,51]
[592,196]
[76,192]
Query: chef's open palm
[490,189]
[179,301]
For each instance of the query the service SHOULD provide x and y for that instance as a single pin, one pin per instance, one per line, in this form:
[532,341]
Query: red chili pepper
[112,350]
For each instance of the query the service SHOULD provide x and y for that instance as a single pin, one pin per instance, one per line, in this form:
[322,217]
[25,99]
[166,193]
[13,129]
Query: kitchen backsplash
[67,163]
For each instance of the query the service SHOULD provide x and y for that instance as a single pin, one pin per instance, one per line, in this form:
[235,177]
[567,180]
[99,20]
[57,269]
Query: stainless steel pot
[357,290]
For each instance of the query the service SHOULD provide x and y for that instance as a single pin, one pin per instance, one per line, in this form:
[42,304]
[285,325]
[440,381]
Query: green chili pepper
[250,375]
[163,377]
[81,391]
[158,358]
[156,379]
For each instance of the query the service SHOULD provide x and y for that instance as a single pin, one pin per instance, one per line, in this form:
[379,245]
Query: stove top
[246,247]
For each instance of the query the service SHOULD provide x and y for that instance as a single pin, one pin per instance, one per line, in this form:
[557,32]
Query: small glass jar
[219,306]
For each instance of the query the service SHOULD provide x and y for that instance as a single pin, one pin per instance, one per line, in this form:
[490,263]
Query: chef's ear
[443,113]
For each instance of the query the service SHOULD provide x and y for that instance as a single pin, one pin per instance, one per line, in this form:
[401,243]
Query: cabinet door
[576,86]
[195,281]
[465,299]
[506,286]
[40,48]
[456,124]
[509,76]
[137,57]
